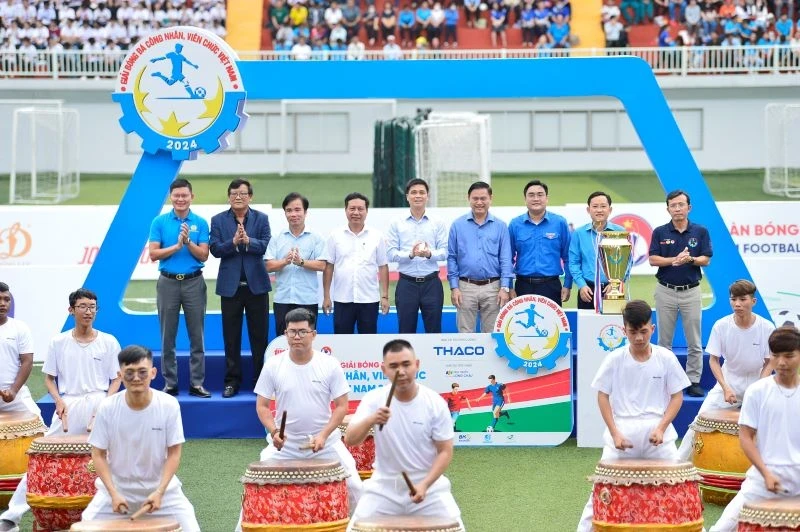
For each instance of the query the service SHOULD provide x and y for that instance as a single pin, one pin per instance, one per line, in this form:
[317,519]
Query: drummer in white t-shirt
[740,338]
[416,439]
[136,448]
[16,359]
[769,432]
[639,391]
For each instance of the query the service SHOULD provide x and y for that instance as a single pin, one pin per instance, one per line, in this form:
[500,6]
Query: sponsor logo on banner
[641,235]
[464,437]
[326,349]
[15,242]
[180,91]
[532,332]
[466,350]
[611,337]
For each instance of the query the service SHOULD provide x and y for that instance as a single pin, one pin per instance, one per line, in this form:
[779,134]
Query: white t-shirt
[15,340]
[304,391]
[640,388]
[137,440]
[774,416]
[80,370]
[356,258]
[744,350]
[406,442]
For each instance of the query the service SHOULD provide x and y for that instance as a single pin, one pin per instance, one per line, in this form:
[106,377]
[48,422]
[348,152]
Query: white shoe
[8,526]
[489,429]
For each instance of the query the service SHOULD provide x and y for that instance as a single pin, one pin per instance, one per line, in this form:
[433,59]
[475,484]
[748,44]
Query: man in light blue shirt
[583,249]
[417,243]
[540,247]
[295,255]
[479,262]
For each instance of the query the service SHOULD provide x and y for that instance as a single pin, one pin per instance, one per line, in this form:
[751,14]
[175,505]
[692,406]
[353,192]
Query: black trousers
[348,316]
[550,289]
[590,305]
[256,308]
[411,297]
[280,310]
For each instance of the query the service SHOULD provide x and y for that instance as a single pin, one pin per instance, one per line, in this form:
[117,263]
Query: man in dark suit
[239,238]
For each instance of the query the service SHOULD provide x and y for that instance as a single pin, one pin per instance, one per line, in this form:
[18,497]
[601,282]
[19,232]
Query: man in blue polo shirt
[540,247]
[295,255]
[679,249]
[179,242]
[583,249]
[478,262]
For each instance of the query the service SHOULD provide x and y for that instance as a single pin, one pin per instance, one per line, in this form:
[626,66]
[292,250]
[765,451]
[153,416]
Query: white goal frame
[782,156]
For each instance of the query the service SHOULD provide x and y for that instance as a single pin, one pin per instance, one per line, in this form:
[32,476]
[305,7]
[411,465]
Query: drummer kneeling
[136,448]
[416,439]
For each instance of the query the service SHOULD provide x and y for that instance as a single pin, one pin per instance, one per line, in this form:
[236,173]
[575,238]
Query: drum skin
[17,432]
[771,515]
[144,524]
[406,523]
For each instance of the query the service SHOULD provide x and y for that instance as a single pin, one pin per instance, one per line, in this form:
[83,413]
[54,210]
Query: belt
[680,288]
[479,282]
[242,283]
[538,280]
[413,279]
[182,276]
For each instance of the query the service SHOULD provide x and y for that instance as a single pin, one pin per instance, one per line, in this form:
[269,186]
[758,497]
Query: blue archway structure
[628,79]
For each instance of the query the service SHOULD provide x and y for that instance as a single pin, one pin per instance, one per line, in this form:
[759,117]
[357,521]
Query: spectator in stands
[423,20]
[610,9]
[333,15]
[316,15]
[301,31]
[338,50]
[526,23]
[541,21]
[451,17]
[561,7]
[471,12]
[436,23]
[779,4]
[693,15]
[319,33]
[388,22]
[784,26]
[371,24]
[301,51]
[355,50]
[278,16]
[406,21]
[614,31]
[498,20]
[559,32]
[338,33]
[664,38]
[516,7]
[298,14]
[351,18]
[28,55]
[391,50]
[284,38]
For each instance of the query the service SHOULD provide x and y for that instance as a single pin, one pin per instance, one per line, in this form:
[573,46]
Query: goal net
[453,151]
[44,155]
[782,168]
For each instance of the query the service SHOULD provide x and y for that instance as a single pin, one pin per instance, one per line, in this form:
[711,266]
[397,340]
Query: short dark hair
[596,194]
[4,287]
[675,193]
[417,181]
[492,377]
[300,314]
[354,196]
[291,196]
[784,339]
[81,293]
[636,314]
[236,183]
[180,183]
[454,385]
[535,183]
[396,345]
[133,354]
[742,288]
[477,185]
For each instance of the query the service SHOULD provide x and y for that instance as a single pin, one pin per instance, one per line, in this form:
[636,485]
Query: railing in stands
[682,61]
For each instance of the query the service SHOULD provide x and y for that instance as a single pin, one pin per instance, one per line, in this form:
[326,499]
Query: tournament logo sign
[181,92]
[611,337]
[532,332]
[641,235]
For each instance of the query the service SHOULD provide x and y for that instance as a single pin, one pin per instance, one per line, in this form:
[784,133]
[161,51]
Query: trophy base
[613,306]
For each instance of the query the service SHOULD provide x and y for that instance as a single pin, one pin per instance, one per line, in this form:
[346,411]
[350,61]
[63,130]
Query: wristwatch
[691,259]
[505,289]
[302,262]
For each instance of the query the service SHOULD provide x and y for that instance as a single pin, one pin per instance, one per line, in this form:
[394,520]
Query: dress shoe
[199,391]
[695,390]
[230,391]
[171,390]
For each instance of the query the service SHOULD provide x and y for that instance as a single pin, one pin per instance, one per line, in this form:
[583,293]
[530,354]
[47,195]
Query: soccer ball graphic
[788,317]
[489,429]
[200,92]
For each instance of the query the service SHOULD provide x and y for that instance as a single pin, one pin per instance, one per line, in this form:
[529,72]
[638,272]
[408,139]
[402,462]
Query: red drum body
[363,453]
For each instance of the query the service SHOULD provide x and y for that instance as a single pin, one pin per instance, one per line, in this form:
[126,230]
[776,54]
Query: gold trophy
[614,251]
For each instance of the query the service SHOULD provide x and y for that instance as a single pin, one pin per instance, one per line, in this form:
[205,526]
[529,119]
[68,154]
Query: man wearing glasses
[179,242]
[239,238]
[81,369]
[679,248]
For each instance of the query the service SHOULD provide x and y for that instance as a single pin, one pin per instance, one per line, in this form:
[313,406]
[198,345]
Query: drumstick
[409,484]
[283,425]
[391,394]
[64,421]
[141,511]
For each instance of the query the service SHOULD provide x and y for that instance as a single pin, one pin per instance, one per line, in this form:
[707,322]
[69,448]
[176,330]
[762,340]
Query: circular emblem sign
[180,91]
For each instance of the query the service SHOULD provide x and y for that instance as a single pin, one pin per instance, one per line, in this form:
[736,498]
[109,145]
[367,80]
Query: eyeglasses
[300,333]
[234,195]
[141,373]
[678,205]
[84,308]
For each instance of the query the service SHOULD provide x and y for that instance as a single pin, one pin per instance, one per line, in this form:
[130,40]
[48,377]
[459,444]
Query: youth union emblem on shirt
[532,332]
[180,91]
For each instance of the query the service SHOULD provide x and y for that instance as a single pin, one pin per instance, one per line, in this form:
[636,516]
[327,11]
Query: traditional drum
[295,495]
[363,453]
[770,514]
[145,524]
[17,431]
[406,523]
[60,481]
[645,495]
[718,456]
